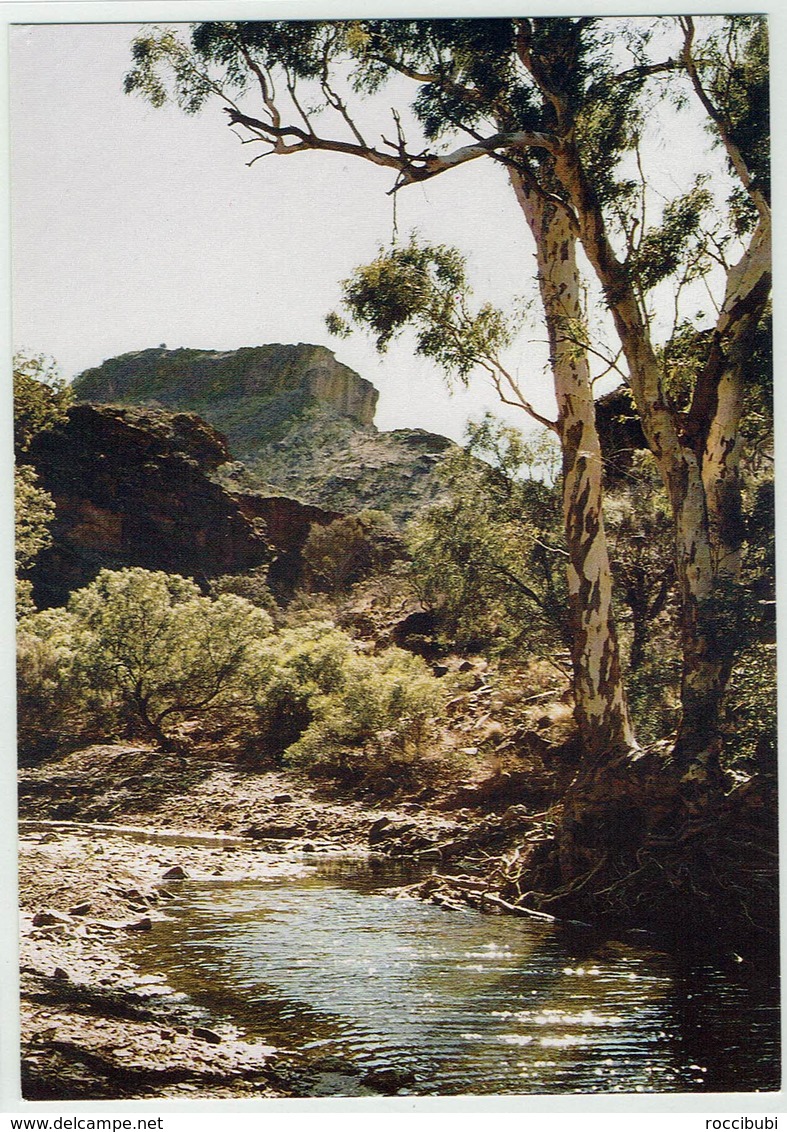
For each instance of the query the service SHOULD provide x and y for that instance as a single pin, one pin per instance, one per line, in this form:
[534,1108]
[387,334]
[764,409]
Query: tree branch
[748,287]
[721,121]
[641,71]
[412,168]
[265,86]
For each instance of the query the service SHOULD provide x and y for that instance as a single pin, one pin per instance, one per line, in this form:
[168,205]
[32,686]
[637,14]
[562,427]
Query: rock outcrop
[244,393]
[620,433]
[330,463]
[297,421]
[135,487]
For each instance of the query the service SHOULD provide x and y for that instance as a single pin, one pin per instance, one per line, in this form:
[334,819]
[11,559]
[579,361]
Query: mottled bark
[601,709]
[698,455]
[748,287]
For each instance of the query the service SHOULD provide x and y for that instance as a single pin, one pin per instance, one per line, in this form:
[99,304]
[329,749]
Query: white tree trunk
[699,465]
[601,709]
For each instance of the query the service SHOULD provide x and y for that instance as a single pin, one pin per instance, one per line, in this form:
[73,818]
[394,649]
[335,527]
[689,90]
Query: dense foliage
[340,553]
[41,399]
[364,714]
[145,653]
[490,562]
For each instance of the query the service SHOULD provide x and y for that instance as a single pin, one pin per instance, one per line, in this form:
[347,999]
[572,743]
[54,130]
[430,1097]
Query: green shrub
[376,719]
[750,711]
[144,652]
[141,649]
[348,549]
[54,705]
[251,585]
[165,651]
[41,400]
[490,562]
[301,664]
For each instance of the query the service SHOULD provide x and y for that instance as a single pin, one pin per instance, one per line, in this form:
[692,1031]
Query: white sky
[134,227]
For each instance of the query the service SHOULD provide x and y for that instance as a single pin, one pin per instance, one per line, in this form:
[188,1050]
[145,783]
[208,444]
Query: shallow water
[330,965]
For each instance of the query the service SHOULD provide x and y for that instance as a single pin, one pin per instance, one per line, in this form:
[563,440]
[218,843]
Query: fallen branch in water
[467,884]
[514,909]
[474,892]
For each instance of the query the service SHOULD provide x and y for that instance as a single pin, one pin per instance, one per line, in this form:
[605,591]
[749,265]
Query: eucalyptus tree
[558,104]
[466,74]
[41,399]
[695,436]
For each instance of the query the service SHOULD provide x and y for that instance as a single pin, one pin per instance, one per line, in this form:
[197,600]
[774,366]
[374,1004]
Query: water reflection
[330,964]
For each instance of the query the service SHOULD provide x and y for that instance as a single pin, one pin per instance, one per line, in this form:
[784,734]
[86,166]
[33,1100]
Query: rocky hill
[136,487]
[297,421]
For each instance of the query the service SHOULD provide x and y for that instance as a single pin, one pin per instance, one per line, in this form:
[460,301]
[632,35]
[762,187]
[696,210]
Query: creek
[330,968]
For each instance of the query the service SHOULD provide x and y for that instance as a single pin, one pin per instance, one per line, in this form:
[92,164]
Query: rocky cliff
[620,433]
[297,421]
[136,487]
[245,393]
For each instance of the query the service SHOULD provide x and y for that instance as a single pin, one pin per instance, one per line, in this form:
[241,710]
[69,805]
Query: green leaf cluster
[491,561]
[165,70]
[375,719]
[41,400]
[145,653]
[424,287]
[733,63]
[34,511]
[666,247]
[342,552]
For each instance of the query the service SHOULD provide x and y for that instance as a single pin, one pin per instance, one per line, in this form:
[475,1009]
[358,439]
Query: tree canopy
[564,107]
[41,399]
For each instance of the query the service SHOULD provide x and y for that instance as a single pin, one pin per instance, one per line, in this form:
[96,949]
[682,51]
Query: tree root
[634,846]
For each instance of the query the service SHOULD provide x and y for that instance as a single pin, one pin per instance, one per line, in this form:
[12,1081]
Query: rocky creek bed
[112,837]
[103,838]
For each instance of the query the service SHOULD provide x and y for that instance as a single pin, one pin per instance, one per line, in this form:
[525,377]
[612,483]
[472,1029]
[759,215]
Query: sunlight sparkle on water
[514,1012]
[490,951]
[560,1017]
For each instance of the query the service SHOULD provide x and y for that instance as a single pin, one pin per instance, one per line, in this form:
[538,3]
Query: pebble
[45,917]
[176,873]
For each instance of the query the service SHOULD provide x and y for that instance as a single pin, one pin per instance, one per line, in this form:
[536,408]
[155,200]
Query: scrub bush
[144,653]
[140,650]
[376,720]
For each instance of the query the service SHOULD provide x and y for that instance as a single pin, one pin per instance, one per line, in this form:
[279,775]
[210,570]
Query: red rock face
[287,521]
[132,488]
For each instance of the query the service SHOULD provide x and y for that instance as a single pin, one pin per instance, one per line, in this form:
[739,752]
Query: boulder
[388,1081]
[274,832]
[47,917]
